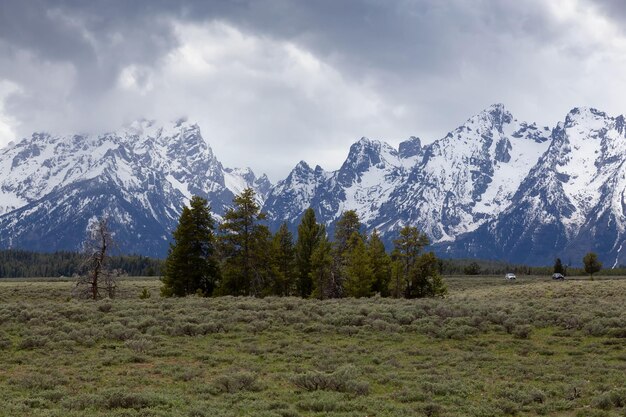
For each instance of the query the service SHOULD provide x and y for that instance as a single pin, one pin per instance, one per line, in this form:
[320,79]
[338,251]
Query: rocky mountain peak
[494,116]
[363,155]
[141,174]
[263,185]
[494,187]
[410,147]
[301,172]
[586,116]
[302,166]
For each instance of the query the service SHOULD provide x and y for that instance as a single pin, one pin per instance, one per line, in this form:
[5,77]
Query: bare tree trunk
[98,275]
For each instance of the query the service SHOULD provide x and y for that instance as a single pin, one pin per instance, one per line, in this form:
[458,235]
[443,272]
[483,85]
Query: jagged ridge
[494,187]
[140,177]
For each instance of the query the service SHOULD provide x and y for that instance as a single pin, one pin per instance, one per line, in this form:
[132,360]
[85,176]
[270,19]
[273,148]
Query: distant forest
[491,267]
[25,264]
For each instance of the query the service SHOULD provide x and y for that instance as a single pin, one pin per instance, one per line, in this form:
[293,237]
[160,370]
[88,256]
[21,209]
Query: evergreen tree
[310,233]
[407,249]
[283,262]
[191,265]
[321,274]
[425,280]
[245,247]
[380,263]
[397,281]
[346,226]
[592,263]
[558,266]
[359,275]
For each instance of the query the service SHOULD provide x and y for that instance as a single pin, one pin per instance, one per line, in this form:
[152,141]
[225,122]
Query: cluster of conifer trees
[20,263]
[242,257]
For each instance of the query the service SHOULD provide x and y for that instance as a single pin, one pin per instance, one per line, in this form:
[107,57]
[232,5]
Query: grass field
[491,348]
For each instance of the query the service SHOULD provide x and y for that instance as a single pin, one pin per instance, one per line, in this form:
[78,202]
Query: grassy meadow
[491,348]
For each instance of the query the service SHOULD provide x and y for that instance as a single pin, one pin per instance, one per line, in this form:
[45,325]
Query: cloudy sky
[272,82]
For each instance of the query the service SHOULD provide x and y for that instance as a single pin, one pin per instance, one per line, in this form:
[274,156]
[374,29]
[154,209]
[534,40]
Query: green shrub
[432,410]
[508,407]
[235,382]
[343,379]
[37,381]
[608,400]
[82,402]
[141,345]
[145,294]
[105,307]
[32,342]
[5,343]
[123,399]
[326,402]
[522,332]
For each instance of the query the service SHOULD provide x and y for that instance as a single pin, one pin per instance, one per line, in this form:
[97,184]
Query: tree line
[591,265]
[25,264]
[241,257]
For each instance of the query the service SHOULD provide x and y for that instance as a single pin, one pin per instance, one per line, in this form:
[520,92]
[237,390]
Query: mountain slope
[370,173]
[468,176]
[494,187]
[571,202]
[140,177]
[447,188]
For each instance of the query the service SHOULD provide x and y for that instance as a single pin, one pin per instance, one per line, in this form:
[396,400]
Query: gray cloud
[615,9]
[293,80]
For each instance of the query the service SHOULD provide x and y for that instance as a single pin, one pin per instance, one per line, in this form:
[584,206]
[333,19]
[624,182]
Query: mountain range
[493,188]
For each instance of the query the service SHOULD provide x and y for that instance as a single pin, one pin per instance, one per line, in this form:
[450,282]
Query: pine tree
[283,262]
[359,276]
[425,280]
[310,233]
[245,248]
[558,266]
[347,224]
[407,248]
[380,263]
[397,281]
[191,265]
[321,274]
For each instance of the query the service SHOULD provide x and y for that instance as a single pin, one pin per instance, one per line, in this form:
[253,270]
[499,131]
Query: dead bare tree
[97,276]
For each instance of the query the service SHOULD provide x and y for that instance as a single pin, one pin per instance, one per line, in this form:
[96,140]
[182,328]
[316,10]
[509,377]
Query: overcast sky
[271,82]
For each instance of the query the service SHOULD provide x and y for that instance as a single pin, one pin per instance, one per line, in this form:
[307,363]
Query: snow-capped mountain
[572,201]
[494,187]
[447,188]
[141,176]
[467,177]
[364,182]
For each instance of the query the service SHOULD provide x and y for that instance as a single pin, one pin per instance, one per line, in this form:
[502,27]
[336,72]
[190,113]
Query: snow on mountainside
[371,172]
[291,196]
[145,173]
[494,187]
[468,176]
[572,201]
[449,187]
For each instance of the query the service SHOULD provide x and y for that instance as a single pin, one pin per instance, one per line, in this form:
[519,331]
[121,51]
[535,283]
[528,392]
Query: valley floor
[491,348]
